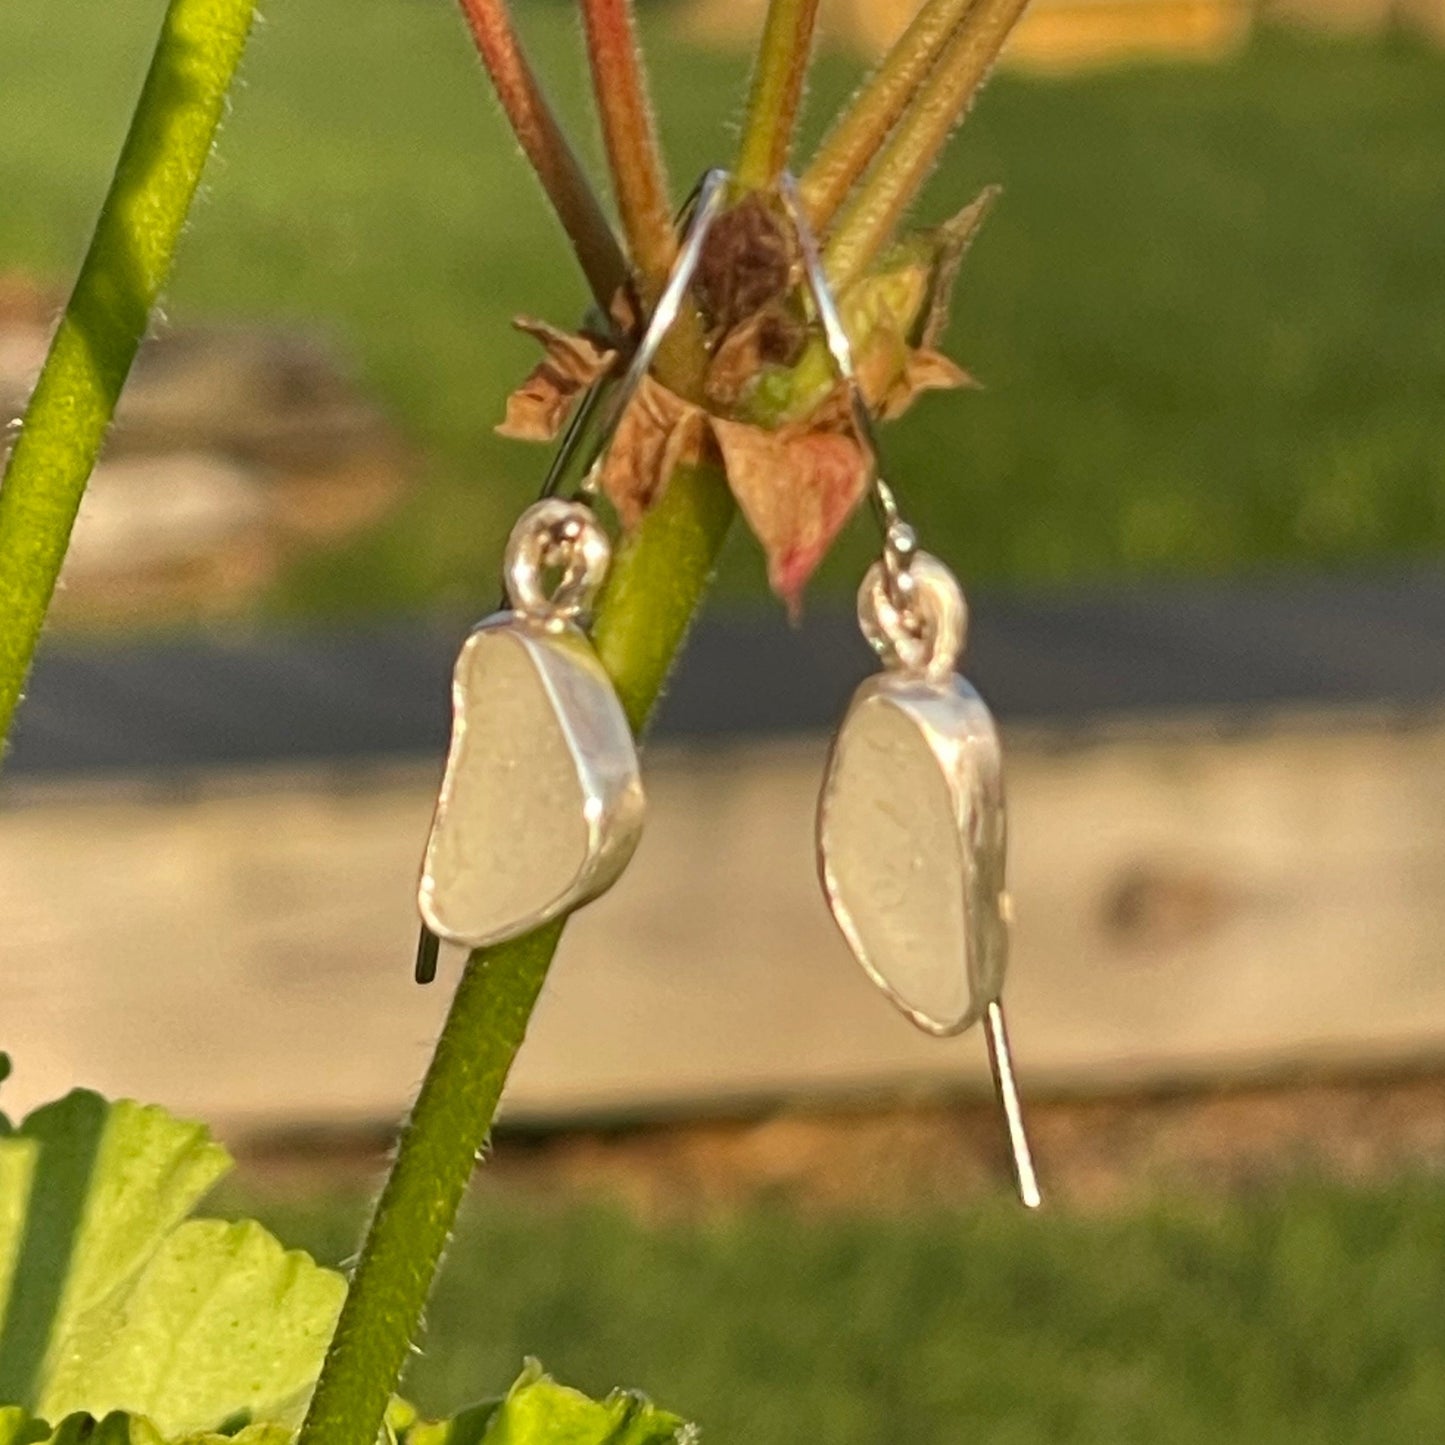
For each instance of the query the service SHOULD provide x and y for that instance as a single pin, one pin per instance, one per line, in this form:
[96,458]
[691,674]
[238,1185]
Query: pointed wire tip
[428,946]
[1029,1195]
[1021,1157]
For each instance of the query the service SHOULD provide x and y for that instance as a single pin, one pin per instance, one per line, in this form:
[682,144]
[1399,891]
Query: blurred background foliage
[1307,1315]
[1206,313]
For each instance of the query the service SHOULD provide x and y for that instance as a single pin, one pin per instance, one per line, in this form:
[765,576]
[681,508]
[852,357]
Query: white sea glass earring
[911,828]
[541,804]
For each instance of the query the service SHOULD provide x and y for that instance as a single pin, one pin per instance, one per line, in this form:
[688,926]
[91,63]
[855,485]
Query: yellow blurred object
[1072,34]
[1063,35]
[1053,35]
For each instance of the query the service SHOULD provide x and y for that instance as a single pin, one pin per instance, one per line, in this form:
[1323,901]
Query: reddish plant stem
[633,153]
[639,181]
[547,148]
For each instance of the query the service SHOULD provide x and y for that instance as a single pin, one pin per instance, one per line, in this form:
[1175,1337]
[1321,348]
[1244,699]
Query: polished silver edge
[614,827]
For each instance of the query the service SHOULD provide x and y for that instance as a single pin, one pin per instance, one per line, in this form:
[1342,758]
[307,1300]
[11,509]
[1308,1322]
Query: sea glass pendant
[541,805]
[912,831]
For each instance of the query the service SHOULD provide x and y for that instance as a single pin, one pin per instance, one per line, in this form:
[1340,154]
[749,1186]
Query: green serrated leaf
[111,1302]
[467,1427]
[253,1318]
[536,1411]
[118,1428]
[19,1427]
[539,1411]
[131,1325]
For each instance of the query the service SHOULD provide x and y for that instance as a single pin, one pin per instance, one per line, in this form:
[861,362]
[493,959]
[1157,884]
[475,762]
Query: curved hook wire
[698,213]
[701,210]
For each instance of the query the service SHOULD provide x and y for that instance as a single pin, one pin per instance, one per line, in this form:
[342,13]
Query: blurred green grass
[1308,1314]
[1210,311]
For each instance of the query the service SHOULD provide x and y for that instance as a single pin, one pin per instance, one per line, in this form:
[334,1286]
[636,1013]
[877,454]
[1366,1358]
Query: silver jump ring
[556,560]
[923,635]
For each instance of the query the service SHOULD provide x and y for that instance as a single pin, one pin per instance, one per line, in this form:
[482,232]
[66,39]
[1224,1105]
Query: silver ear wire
[912,613]
[1000,1059]
[699,213]
[899,543]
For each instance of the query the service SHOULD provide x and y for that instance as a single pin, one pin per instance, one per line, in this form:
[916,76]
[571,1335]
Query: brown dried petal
[746,263]
[880,364]
[923,370]
[892,373]
[625,312]
[658,432]
[796,488]
[952,240]
[773,336]
[538,409]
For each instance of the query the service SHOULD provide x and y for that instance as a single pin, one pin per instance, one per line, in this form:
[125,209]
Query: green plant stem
[413,1221]
[130,255]
[863,126]
[902,166]
[777,91]
[546,146]
[654,587]
[656,583]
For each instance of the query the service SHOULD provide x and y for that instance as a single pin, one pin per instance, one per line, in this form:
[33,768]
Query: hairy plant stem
[634,157]
[777,91]
[902,166]
[863,127]
[639,178]
[130,255]
[547,148]
[656,583]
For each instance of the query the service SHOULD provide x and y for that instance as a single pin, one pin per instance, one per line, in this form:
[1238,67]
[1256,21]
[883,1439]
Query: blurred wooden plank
[1191,906]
